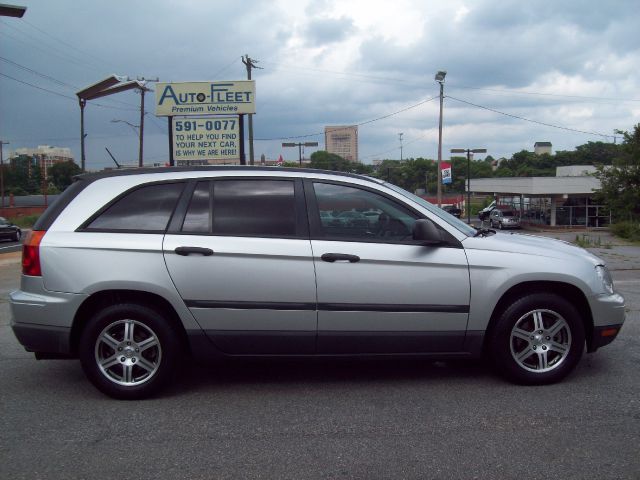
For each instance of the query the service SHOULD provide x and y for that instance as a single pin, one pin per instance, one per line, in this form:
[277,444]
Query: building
[540,148]
[564,200]
[45,156]
[342,140]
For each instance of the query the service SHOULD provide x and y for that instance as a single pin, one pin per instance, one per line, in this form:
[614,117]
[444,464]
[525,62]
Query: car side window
[145,209]
[239,207]
[254,208]
[352,213]
[199,213]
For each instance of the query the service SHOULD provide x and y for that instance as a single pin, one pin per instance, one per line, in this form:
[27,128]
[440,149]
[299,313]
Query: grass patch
[25,221]
[627,230]
[586,241]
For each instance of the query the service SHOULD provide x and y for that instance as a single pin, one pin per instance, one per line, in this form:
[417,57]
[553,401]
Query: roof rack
[213,168]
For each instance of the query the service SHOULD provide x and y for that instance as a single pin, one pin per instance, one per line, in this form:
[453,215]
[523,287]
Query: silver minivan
[502,218]
[133,271]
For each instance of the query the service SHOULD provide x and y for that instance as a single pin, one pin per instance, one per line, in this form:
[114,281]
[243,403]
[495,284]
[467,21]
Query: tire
[537,340]
[500,225]
[17,236]
[129,351]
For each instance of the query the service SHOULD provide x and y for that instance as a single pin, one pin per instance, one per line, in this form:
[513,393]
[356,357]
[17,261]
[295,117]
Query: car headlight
[605,277]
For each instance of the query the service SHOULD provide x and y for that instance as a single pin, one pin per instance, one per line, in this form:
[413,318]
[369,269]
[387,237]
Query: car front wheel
[129,351]
[537,340]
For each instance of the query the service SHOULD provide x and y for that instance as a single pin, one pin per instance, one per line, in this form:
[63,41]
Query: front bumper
[603,336]
[608,316]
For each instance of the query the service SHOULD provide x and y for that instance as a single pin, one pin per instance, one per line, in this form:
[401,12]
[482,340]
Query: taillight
[31,253]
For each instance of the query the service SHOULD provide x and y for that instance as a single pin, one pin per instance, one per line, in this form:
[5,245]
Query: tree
[620,182]
[328,161]
[61,174]
[324,160]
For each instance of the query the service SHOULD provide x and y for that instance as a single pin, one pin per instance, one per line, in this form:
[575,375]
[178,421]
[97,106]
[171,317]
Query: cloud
[571,63]
[325,31]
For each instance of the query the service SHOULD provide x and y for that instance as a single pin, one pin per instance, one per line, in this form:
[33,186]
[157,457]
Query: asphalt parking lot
[328,419]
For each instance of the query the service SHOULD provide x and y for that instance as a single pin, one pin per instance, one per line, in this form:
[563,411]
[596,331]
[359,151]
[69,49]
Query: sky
[563,71]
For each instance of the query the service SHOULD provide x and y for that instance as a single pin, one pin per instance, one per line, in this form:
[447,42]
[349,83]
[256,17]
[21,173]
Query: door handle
[337,257]
[184,251]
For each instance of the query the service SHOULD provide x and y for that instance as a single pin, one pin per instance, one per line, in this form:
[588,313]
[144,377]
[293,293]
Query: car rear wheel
[17,236]
[537,340]
[129,351]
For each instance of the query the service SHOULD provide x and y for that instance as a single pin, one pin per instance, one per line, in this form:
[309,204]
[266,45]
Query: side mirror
[426,233]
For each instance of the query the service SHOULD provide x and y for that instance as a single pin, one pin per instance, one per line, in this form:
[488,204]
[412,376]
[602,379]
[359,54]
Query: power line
[86,54]
[347,74]
[62,94]
[58,82]
[34,72]
[224,69]
[50,52]
[417,139]
[50,48]
[529,120]
[419,85]
[356,124]
[39,88]
[542,94]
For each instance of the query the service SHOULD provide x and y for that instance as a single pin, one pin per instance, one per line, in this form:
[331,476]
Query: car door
[240,256]
[494,217]
[379,291]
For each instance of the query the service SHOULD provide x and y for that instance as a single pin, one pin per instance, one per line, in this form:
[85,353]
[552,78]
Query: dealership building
[564,200]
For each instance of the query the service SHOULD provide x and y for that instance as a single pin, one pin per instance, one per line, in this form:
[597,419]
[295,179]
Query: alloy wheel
[128,352]
[540,341]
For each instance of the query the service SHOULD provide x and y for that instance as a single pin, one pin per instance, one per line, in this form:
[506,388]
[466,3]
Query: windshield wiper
[484,232]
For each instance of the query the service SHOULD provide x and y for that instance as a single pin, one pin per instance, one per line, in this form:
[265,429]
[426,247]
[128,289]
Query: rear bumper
[44,340]
[41,320]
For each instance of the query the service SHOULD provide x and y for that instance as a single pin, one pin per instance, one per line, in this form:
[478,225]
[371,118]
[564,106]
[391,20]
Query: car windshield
[450,219]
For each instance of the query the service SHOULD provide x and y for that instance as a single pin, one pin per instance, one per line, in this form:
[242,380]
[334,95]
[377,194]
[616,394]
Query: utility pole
[16,12]
[440,79]
[142,90]
[250,63]
[83,103]
[400,136]
[469,152]
[2,172]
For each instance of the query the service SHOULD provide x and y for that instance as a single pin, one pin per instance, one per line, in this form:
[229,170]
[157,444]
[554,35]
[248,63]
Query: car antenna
[113,158]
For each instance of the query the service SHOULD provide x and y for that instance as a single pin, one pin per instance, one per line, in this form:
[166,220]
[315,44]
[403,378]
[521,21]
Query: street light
[12,10]
[469,151]
[440,79]
[300,145]
[400,136]
[135,128]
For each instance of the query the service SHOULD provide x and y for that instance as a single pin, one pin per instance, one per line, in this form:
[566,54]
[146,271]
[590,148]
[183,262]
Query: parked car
[136,271]
[9,231]
[354,219]
[486,211]
[500,218]
[452,210]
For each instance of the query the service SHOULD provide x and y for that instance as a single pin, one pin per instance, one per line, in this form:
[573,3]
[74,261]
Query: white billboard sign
[208,138]
[234,97]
